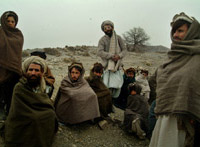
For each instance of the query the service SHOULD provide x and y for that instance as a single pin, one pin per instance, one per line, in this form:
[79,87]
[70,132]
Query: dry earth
[88,134]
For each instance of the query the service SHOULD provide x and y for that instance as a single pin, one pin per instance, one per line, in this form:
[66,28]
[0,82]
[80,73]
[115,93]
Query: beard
[109,33]
[33,81]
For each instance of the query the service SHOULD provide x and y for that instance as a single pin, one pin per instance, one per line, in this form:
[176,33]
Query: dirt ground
[88,133]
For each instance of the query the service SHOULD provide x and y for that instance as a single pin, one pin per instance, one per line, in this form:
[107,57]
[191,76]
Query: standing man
[11,43]
[178,82]
[111,50]
[32,120]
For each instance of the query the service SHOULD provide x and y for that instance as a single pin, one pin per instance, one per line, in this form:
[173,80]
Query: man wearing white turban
[32,119]
[112,50]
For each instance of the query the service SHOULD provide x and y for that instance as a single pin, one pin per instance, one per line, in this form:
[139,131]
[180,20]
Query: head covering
[36,60]
[181,16]
[107,22]
[6,15]
[40,54]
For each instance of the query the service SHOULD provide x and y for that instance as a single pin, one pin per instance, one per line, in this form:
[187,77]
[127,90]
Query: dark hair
[144,71]
[98,67]
[178,24]
[134,86]
[76,67]
[40,54]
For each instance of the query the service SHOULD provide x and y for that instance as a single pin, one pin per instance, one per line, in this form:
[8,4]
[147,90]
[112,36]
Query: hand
[115,58]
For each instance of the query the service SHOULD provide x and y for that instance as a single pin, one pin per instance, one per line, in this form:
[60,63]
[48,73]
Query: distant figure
[11,43]
[177,88]
[48,76]
[32,119]
[112,50]
[142,80]
[129,77]
[136,113]
[102,92]
[76,102]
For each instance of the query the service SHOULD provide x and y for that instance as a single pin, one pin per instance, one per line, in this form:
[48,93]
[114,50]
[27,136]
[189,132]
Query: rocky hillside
[89,134]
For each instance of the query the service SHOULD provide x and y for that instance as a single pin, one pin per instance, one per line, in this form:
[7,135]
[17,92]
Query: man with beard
[32,120]
[177,87]
[48,76]
[111,50]
[102,92]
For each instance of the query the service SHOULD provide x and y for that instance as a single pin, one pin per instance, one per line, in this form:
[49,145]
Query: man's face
[34,75]
[11,22]
[180,33]
[144,74]
[108,30]
[75,74]
[130,74]
[97,74]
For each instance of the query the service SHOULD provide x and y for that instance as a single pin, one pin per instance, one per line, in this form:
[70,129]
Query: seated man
[129,77]
[32,120]
[76,102]
[136,113]
[49,78]
[102,92]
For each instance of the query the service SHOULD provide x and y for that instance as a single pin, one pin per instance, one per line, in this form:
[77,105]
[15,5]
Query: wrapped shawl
[76,101]
[102,92]
[178,80]
[137,107]
[31,120]
[11,43]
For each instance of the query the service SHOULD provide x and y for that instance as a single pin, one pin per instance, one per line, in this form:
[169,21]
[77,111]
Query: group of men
[32,119]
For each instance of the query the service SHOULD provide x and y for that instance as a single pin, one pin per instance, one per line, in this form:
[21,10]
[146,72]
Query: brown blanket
[102,92]
[11,43]
[178,80]
[76,101]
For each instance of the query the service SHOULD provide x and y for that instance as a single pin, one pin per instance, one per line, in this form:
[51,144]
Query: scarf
[114,49]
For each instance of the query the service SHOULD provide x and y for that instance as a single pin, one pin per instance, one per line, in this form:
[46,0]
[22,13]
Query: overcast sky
[57,23]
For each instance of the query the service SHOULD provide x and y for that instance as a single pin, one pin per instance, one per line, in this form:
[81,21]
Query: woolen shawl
[102,92]
[178,80]
[32,120]
[77,102]
[11,43]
